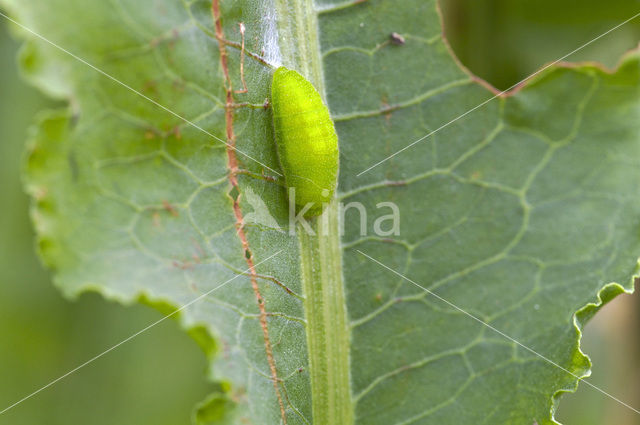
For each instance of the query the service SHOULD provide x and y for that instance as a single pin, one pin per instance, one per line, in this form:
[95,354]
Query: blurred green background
[157,378]
[504,41]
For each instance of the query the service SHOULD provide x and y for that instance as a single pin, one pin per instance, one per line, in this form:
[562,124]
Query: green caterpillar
[306,141]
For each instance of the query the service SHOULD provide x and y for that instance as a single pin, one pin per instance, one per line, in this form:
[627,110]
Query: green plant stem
[320,255]
[327,326]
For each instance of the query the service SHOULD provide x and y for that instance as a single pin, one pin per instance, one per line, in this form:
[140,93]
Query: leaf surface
[522,213]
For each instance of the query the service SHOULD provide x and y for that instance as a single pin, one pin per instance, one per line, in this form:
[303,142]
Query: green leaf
[522,213]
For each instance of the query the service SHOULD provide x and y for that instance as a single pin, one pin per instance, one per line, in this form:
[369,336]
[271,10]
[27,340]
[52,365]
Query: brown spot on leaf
[150,86]
[155,219]
[396,39]
[177,133]
[170,208]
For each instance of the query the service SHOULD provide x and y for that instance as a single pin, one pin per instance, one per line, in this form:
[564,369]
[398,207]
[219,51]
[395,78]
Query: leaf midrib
[328,335]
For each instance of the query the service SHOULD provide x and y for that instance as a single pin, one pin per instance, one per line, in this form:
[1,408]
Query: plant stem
[327,327]
[320,255]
